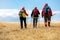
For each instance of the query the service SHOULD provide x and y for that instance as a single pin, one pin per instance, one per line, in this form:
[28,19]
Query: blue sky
[29,4]
[9,8]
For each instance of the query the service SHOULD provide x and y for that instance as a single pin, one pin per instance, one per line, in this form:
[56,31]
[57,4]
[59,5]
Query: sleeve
[25,12]
[38,12]
[42,12]
[32,14]
[50,12]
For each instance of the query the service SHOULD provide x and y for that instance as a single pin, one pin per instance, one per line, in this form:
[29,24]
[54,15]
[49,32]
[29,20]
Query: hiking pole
[53,14]
[35,21]
[53,18]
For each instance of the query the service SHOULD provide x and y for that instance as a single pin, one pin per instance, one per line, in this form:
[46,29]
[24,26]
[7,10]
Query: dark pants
[35,22]
[21,22]
[47,19]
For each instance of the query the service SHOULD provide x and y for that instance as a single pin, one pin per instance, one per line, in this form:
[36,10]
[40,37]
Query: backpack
[23,14]
[35,12]
[46,10]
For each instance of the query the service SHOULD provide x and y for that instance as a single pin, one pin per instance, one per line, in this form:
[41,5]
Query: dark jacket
[35,13]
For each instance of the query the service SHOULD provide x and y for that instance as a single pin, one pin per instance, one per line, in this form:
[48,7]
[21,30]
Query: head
[23,8]
[35,8]
[45,5]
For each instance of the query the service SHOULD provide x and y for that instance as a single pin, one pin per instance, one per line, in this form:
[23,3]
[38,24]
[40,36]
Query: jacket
[35,13]
[49,14]
[23,14]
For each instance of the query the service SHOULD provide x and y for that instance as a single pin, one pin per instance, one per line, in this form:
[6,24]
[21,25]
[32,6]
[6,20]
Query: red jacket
[50,13]
[24,11]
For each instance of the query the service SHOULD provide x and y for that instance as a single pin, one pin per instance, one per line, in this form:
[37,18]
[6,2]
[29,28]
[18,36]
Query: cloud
[11,12]
[12,15]
[55,12]
[8,12]
[14,12]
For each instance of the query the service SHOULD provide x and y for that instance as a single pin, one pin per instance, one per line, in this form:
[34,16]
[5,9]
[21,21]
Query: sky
[29,4]
[10,8]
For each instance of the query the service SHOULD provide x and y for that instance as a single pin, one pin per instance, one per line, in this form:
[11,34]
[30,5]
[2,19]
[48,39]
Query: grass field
[12,31]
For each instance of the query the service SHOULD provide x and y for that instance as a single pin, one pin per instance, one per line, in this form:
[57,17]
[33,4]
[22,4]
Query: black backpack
[46,10]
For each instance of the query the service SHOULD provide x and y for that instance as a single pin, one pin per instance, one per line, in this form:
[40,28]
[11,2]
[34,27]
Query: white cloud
[11,12]
[55,12]
[14,12]
[8,12]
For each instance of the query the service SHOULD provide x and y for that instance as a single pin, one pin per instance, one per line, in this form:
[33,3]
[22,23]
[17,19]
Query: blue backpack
[46,10]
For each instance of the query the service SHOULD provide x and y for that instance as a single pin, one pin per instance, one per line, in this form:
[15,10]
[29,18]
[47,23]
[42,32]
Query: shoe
[45,25]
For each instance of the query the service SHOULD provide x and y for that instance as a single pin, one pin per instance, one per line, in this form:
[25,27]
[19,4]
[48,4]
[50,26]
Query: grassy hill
[12,31]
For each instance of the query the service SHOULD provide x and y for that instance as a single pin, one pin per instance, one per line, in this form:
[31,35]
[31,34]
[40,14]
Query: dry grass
[12,31]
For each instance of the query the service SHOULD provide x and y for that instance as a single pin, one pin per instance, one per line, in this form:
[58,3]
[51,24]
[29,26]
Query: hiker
[22,16]
[47,13]
[35,14]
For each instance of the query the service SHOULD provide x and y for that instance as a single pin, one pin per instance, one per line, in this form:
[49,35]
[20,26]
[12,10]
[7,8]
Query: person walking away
[47,13]
[22,16]
[35,14]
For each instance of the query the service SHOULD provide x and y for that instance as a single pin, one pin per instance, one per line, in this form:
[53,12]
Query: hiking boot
[45,25]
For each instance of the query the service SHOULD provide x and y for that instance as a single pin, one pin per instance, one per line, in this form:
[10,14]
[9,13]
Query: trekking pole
[54,18]
[38,21]
[53,14]
[34,24]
